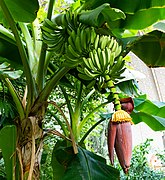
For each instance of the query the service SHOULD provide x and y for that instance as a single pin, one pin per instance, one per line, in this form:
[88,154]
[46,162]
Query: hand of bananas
[92,54]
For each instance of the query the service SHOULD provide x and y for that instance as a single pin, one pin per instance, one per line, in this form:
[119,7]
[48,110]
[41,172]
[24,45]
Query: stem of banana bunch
[111,86]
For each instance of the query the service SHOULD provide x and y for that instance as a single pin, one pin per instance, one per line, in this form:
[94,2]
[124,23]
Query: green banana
[96,60]
[104,59]
[78,44]
[80,69]
[103,42]
[93,68]
[63,20]
[48,23]
[88,35]
[44,28]
[118,50]
[71,42]
[73,35]
[110,43]
[96,42]
[90,74]
[117,66]
[86,62]
[84,77]
[73,52]
[115,45]
[83,38]
[101,60]
[75,19]
[107,53]
[58,42]
[93,35]
[112,58]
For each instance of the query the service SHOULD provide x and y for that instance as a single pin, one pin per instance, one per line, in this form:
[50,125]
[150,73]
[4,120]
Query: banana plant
[23,48]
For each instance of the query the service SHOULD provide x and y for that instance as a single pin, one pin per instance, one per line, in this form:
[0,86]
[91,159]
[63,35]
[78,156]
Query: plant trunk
[30,143]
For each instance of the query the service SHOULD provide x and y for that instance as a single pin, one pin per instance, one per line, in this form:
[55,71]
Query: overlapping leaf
[84,165]
[150,113]
[98,16]
[7,72]
[150,48]
[140,14]
[23,11]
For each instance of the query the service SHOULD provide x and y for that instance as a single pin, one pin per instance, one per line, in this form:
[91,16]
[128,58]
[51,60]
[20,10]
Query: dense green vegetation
[61,68]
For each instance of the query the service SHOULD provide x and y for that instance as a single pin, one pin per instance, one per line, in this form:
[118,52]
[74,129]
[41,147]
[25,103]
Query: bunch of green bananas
[54,36]
[104,59]
[55,32]
[79,45]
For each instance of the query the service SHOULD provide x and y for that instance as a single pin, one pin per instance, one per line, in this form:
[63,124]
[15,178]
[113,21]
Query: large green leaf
[150,113]
[127,6]
[23,11]
[8,147]
[150,48]
[85,165]
[59,163]
[98,16]
[144,18]
[9,53]
[140,14]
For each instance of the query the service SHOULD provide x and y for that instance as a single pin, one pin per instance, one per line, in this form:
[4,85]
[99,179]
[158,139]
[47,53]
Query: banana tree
[20,34]
[23,48]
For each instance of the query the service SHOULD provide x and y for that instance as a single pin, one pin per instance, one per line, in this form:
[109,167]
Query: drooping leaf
[127,6]
[129,88]
[144,18]
[7,35]
[85,165]
[22,11]
[60,159]
[98,16]
[150,113]
[6,72]
[139,14]
[8,147]
[150,48]
[9,53]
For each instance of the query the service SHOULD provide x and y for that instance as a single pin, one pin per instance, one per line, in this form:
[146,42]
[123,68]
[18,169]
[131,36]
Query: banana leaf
[8,146]
[22,11]
[150,48]
[98,16]
[151,113]
[85,165]
[140,14]
[9,53]
[7,72]
[160,26]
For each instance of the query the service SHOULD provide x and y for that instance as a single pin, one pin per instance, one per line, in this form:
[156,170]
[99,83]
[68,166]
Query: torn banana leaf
[151,113]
